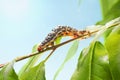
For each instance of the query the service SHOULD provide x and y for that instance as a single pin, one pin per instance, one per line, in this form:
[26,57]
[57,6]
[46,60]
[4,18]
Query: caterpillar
[60,31]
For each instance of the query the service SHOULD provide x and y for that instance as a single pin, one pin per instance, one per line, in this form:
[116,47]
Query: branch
[49,55]
[53,48]
[50,48]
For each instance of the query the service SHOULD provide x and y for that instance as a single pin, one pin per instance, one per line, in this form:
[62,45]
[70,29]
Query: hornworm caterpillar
[60,31]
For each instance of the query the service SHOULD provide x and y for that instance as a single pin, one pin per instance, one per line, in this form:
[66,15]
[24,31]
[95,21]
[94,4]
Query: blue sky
[24,23]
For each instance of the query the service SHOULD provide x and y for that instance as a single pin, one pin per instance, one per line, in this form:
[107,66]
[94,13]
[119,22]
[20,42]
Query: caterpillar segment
[60,31]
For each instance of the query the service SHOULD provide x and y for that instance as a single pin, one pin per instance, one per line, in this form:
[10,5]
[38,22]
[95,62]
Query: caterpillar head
[40,48]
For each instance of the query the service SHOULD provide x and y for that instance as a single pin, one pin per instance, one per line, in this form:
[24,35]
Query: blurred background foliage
[110,10]
[94,59]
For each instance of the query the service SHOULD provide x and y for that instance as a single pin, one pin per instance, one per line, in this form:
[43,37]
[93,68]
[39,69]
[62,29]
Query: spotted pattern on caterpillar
[60,31]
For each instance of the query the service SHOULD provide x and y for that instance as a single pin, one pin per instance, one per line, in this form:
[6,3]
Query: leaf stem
[49,54]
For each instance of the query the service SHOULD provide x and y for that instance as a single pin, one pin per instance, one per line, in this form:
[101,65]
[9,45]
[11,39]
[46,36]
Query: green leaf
[69,55]
[105,8]
[113,46]
[107,32]
[72,51]
[31,61]
[8,73]
[93,64]
[35,73]
[57,41]
[110,12]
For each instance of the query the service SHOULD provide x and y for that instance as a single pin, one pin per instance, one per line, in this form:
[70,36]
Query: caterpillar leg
[51,44]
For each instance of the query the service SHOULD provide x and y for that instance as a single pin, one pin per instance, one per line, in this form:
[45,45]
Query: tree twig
[49,54]
[53,48]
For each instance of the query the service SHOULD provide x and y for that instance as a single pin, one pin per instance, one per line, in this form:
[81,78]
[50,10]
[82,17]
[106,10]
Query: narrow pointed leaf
[30,62]
[8,73]
[35,73]
[70,54]
[93,64]
[113,46]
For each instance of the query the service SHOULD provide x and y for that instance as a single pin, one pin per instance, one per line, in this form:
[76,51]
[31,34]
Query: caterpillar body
[60,31]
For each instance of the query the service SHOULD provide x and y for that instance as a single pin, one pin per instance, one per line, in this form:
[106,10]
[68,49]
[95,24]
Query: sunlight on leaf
[35,73]
[113,46]
[70,54]
[106,8]
[8,73]
[31,61]
[93,65]
[110,11]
